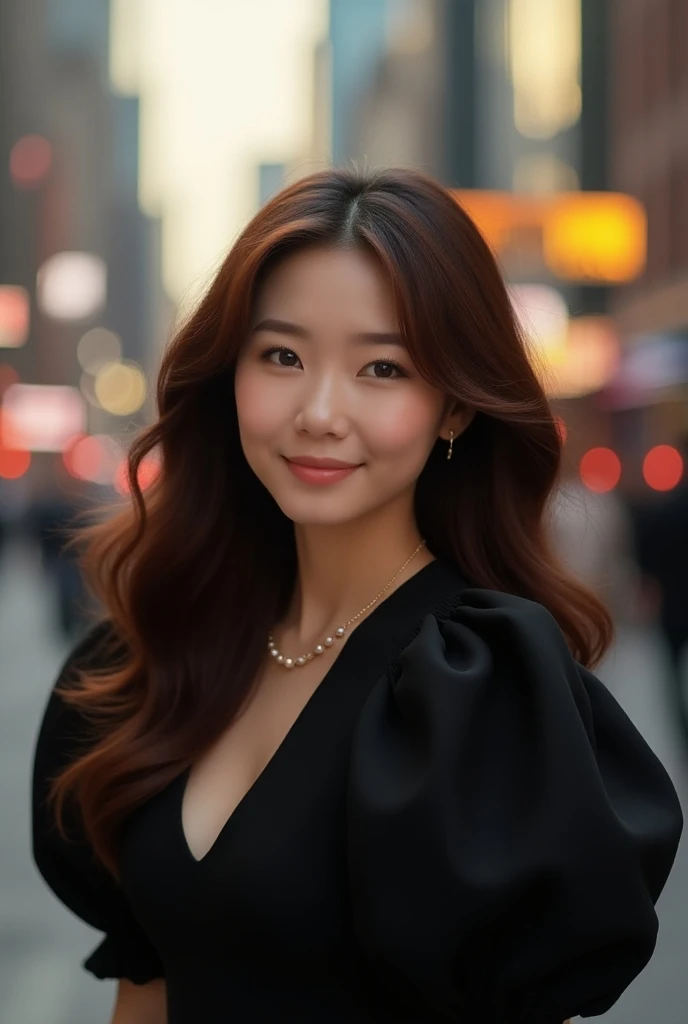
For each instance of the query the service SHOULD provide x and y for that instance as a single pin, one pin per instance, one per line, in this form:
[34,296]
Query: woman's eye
[286,358]
[280,351]
[390,370]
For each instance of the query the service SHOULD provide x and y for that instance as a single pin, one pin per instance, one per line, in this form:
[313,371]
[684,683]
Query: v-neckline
[384,610]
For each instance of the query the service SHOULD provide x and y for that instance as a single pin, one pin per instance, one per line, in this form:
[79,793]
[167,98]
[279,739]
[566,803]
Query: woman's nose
[322,407]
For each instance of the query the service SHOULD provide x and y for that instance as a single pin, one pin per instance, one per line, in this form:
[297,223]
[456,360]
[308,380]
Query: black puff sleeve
[509,829]
[69,867]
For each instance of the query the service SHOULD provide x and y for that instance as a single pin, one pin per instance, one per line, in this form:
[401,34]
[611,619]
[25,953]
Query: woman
[336,753]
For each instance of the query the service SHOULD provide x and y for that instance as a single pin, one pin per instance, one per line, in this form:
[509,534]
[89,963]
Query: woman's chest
[223,777]
[277,867]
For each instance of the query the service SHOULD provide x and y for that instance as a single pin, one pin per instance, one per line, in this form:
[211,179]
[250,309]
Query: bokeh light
[42,417]
[121,388]
[600,469]
[30,160]
[93,457]
[590,359]
[14,315]
[72,285]
[98,347]
[13,463]
[148,472]
[662,467]
[543,317]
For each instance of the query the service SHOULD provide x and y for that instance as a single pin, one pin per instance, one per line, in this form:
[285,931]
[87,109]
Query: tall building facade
[648,152]
[55,85]
[357,41]
[416,103]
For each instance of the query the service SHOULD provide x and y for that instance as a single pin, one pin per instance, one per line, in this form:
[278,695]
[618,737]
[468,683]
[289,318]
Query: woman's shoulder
[499,622]
[506,818]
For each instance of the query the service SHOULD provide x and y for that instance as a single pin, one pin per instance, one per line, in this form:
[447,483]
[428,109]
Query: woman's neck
[342,568]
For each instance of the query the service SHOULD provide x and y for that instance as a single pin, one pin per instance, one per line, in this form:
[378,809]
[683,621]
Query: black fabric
[462,825]
[68,866]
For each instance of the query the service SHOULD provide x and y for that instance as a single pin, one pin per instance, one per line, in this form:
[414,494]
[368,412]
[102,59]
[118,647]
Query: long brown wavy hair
[197,569]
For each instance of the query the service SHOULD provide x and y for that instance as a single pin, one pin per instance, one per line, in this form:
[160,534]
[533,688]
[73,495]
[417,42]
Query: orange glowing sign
[596,237]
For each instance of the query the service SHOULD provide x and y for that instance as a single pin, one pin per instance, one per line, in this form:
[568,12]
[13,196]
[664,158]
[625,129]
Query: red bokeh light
[600,469]
[148,471]
[85,458]
[13,463]
[30,160]
[662,467]
[15,315]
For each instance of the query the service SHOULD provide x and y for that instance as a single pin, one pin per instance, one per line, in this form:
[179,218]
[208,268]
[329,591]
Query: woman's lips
[315,475]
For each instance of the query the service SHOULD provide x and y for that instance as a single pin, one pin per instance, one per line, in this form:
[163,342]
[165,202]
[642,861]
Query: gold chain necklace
[339,632]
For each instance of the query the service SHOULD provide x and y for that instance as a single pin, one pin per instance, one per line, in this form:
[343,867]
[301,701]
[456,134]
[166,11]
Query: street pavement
[42,944]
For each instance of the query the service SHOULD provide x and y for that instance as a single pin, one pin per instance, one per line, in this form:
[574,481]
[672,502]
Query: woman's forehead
[312,287]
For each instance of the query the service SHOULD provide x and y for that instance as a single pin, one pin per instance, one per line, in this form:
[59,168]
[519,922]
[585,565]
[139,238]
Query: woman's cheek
[258,406]
[404,429]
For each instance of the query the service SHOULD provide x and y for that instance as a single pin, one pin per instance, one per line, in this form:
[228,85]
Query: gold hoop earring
[451,444]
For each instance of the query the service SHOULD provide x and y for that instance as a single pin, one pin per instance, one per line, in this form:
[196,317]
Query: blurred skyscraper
[55,88]
[648,60]
[491,94]
[415,102]
[358,33]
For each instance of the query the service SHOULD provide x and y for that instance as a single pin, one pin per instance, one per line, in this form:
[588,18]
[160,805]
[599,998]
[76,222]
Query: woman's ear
[458,418]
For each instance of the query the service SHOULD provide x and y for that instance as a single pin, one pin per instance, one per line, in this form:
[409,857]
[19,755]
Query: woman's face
[324,375]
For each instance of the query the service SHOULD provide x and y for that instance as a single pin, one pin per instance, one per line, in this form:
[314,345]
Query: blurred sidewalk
[41,944]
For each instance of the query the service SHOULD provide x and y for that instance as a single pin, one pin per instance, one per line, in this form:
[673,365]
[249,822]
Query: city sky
[223,87]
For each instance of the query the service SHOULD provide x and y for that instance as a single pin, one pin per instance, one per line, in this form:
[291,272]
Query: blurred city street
[41,946]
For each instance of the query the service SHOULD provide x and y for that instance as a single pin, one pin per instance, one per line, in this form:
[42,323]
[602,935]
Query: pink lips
[320,471]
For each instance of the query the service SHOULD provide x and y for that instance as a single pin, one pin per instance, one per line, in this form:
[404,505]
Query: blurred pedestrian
[592,533]
[55,512]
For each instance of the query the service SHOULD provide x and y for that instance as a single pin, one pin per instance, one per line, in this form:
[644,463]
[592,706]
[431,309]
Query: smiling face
[324,374]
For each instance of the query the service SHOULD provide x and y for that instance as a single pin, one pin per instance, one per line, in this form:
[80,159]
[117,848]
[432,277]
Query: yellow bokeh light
[598,237]
[585,236]
[121,388]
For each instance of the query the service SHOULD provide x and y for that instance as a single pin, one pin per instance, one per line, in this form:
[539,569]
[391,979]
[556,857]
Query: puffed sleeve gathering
[68,866]
[509,829]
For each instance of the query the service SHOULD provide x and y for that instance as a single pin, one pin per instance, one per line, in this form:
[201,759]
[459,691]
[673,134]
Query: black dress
[462,825]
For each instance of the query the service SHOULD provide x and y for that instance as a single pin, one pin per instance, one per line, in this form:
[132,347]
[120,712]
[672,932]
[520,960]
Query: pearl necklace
[339,632]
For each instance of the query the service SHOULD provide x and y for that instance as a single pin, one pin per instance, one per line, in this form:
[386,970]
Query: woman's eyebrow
[361,338]
[380,338]
[281,327]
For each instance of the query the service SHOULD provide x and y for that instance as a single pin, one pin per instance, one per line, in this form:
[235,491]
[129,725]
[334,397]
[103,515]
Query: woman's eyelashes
[266,355]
